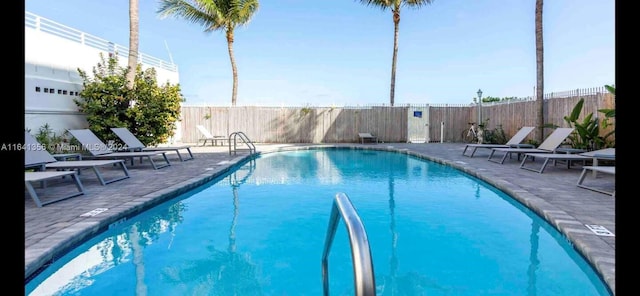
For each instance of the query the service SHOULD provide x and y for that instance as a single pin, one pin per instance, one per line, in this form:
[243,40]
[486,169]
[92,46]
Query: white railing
[48,26]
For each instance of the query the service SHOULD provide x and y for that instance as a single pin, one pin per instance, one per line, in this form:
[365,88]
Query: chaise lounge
[549,145]
[100,150]
[608,154]
[35,156]
[133,144]
[601,169]
[514,142]
[207,136]
[42,177]
[367,137]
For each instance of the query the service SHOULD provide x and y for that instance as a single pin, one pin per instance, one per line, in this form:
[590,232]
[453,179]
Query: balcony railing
[48,26]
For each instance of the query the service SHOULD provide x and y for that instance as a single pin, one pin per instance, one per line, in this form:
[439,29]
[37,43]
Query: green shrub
[149,111]
[586,134]
[48,139]
[495,136]
[54,143]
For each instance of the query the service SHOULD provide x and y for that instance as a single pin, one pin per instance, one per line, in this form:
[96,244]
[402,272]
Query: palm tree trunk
[234,69]
[396,23]
[539,71]
[133,42]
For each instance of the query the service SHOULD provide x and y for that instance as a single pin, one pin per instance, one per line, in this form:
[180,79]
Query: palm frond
[611,89]
[245,9]
[416,3]
[205,13]
[575,113]
[217,11]
[608,112]
[382,4]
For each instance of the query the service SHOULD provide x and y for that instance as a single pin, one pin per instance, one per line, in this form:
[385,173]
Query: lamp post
[479,107]
[480,125]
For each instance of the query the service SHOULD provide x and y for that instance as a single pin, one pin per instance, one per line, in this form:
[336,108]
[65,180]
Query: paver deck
[54,229]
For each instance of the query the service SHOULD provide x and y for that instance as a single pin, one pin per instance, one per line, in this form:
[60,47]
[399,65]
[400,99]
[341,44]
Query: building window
[46,90]
[64,92]
[59,91]
[37,89]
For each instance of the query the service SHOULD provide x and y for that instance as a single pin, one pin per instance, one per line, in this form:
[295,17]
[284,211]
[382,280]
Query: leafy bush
[495,136]
[587,132]
[149,111]
[53,142]
[48,138]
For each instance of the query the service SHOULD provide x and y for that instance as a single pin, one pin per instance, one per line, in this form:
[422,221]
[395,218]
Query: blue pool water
[260,230]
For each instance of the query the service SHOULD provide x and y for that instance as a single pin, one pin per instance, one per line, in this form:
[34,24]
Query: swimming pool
[260,231]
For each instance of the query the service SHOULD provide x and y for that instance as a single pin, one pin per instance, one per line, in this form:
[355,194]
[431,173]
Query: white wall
[52,62]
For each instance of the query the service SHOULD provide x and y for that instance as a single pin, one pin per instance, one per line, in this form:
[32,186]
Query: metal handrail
[232,141]
[364,280]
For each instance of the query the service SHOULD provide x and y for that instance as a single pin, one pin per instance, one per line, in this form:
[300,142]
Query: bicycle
[470,135]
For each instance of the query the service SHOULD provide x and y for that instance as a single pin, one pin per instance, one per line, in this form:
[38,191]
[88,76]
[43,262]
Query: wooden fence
[296,125]
[342,124]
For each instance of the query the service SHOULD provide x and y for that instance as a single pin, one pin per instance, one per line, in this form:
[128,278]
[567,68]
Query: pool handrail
[233,136]
[364,280]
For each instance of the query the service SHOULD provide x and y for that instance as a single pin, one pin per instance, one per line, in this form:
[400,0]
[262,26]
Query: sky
[339,52]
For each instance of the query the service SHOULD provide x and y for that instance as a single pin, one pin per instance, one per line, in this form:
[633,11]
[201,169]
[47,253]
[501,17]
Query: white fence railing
[48,26]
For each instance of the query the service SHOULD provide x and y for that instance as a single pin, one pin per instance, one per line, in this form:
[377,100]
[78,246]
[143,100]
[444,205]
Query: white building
[53,53]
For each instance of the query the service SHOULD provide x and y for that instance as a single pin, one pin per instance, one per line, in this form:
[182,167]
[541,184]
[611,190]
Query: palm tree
[395,6]
[214,15]
[133,42]
[539,71]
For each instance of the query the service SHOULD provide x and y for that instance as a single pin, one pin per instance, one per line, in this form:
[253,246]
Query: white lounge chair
[35,156]
[100,150]
[368,137]
[514,142]
[133,144]
[30,177]
[549,145]
[207,136]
